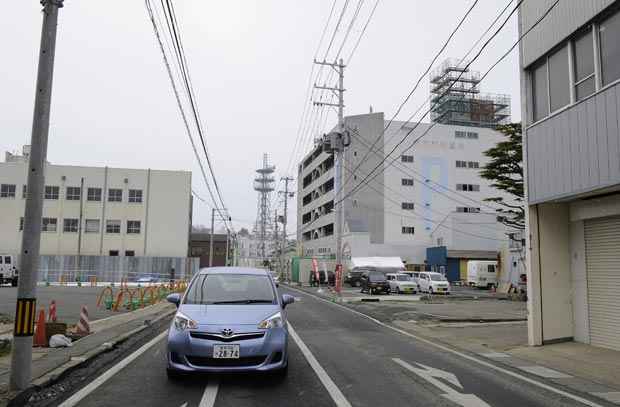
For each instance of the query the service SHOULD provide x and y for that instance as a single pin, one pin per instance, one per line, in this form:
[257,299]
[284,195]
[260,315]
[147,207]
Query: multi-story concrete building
[570,71]
[100,210]
[431,195]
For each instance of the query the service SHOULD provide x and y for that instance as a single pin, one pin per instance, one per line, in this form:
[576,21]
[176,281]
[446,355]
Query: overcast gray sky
[250,59]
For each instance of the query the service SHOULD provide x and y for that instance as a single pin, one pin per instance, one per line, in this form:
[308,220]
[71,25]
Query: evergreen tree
[505,171]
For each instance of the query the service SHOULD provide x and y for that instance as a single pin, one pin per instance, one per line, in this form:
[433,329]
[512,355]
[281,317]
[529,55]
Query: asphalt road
[371,364]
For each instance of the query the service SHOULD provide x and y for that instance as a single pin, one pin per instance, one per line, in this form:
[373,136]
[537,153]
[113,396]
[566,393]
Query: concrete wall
[164,213]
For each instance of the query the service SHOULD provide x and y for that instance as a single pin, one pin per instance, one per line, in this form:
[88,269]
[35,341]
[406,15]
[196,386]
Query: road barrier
[127,298]
[93,281]
[52,313]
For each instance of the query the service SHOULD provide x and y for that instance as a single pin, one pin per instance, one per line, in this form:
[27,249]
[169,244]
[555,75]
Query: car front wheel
[174,374]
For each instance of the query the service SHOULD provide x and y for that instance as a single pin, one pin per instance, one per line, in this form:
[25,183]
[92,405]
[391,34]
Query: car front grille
[221,338]
[202,361]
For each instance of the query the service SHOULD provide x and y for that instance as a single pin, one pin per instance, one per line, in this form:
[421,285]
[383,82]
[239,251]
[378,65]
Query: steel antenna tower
[264,184]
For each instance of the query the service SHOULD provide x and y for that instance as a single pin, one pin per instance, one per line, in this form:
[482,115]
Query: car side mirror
[174,298]
[287,299]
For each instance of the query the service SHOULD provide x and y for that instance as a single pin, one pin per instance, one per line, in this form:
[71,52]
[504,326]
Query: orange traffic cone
[83,325]
[39,337]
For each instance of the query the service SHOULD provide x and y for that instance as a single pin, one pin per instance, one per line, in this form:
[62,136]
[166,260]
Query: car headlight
[183,322]
[274,321]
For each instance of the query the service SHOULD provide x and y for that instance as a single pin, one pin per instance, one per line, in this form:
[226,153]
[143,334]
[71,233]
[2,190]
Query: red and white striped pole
[83,326]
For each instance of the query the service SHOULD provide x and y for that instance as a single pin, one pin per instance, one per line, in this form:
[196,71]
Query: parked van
[8,270]
[482,273]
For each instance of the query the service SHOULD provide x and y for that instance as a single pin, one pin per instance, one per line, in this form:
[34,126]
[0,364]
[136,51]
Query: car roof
[234,270]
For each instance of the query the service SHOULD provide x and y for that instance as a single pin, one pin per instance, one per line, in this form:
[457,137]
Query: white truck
[482,273]
[8,270]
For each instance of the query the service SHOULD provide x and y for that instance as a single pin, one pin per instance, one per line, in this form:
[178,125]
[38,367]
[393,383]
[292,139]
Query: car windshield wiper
[244,302]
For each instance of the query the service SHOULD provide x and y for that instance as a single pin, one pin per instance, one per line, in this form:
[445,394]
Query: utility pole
[275,233]
[25,310]
[227,247]
[336,143]
[287,195]
[211,237]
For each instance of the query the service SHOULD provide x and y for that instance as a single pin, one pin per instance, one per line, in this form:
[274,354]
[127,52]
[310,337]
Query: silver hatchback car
[230,319]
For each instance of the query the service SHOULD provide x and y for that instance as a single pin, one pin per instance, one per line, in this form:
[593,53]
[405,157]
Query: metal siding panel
[592,139]
[613,126]
[553,150]
[573,127]
[601,137]
[531,160]
[582,135]
[566,154]
[565,18]
[602,237]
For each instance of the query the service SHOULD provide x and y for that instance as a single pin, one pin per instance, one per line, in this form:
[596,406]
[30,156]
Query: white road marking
[92,386]
[493,355]
[328,383]
[429,374]
[184,404]
[442,374]
[462,355]
[210,394]
[545,372]
[612,396]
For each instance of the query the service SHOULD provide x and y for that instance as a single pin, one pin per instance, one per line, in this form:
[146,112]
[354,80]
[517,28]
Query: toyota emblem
[227,332]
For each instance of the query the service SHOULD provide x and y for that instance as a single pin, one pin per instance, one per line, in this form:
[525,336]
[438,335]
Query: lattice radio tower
[264,184]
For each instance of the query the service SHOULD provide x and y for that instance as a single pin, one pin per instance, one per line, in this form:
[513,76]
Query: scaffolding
[456,98]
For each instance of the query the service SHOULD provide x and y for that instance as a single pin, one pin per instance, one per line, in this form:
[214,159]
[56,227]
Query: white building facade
[99,210]
[570,88]
[431,195]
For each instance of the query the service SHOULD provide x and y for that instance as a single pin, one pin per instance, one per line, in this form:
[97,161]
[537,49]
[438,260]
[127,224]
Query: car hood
[238,314]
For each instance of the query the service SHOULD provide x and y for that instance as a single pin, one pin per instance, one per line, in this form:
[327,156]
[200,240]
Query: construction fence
[111,269]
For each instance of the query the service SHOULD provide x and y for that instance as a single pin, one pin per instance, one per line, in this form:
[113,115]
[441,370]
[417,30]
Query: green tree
[505,171]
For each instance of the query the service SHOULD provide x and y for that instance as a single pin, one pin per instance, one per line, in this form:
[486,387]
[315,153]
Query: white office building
[99,210]
[431,195]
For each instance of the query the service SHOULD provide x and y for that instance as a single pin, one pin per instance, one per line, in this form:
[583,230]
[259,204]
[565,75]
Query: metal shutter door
[603,267]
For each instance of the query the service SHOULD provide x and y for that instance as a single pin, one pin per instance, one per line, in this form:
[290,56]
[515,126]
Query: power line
[359,39]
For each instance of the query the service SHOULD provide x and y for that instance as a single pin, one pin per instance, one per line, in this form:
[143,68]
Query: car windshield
[376,277]
[403,277]
[230,289]
[437,277]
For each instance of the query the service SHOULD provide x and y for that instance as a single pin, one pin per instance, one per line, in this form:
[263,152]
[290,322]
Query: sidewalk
[49,363]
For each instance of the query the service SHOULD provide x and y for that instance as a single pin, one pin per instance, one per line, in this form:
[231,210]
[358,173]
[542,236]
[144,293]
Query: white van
[8,270]
[482,273]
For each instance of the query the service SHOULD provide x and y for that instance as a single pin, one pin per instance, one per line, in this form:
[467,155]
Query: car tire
[281,374]
[430,290]
[14,283]
[398,290]
[174,374]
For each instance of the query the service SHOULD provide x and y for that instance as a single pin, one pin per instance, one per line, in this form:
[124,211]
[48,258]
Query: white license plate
[226,351]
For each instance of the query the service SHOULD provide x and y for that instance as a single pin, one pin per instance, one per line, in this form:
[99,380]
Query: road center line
[92,386]
[463,355]
[328,383]
[210,394]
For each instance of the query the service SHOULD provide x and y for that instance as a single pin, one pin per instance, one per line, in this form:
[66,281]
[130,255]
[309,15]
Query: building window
[460,134]
[472,135]
[609,31]
[130,253]
[92,226]
[7,191]
[540,93]
[584,65]
[468,187]
[113,253]
[49,224]
[24,191]
[73,194]
[21,224]
[461,164]
[407,182]
[70,225]
[51,192]
[408,230]
[113,226]
[559,81]
[133,227]
[94,194]
[408,206]
[135,195]
[115,195]
[406,158]
[473,164]
[467,209]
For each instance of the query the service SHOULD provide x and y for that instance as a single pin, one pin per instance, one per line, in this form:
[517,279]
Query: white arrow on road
[430,374]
